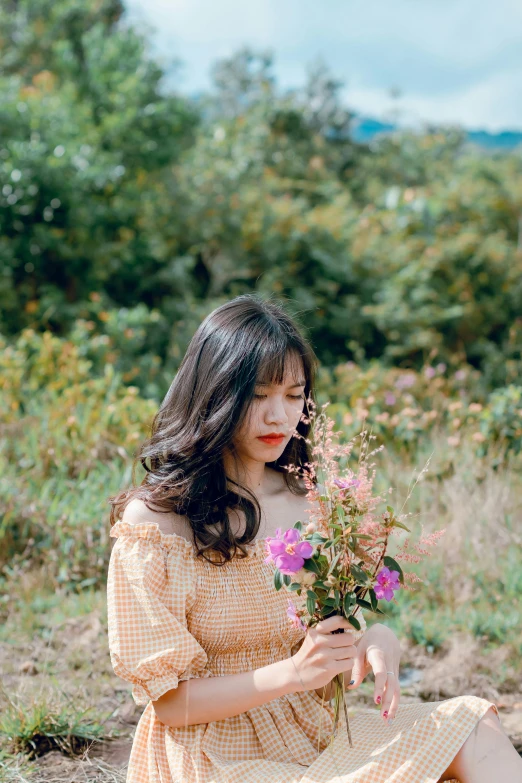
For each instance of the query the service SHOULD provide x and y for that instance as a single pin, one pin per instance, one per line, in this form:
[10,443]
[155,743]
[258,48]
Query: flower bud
[331,580]
[304,577]
[311,527]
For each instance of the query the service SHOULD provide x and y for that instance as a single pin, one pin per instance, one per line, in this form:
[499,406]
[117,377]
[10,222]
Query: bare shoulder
[136,513]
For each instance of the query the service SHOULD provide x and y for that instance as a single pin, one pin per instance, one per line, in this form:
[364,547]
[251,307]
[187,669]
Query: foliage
[66,439]
[127,205]
[87,138]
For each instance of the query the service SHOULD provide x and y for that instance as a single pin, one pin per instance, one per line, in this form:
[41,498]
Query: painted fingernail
[378,699]
[385,714]
[351,682]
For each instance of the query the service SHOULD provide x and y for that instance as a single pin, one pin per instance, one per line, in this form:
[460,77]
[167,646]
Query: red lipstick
[273,438]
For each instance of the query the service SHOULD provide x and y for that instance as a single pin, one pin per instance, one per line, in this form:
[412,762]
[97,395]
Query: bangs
[277,365]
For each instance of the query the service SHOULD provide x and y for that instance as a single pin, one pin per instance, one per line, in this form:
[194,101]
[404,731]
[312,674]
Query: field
[65,715]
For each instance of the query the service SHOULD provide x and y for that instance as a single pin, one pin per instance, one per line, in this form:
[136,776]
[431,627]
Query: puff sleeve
[150,586]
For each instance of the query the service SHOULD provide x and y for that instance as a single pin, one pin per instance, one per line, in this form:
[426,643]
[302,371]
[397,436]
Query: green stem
[338,699]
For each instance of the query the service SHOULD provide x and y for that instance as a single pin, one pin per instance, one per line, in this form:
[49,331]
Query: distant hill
[366,128]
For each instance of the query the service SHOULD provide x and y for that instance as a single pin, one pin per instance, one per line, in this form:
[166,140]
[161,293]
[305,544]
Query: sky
[453,61]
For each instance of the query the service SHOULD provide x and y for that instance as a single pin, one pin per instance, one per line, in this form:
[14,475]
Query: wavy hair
[244,341]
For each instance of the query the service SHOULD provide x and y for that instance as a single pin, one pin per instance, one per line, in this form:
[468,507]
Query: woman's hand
[379,650]
[323,654]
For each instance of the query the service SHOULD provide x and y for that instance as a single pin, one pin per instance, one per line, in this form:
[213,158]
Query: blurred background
[157,159]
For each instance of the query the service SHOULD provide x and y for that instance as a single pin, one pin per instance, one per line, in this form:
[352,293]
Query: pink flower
[287,550]
[387,582]
[389,398]
[294,617]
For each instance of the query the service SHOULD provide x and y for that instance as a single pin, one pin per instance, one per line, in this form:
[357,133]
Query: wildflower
[429,372]
[441,367]
[387,583]
[294,617]
[460,375]
[346,483]
[479,437]
[474,407]
[389,398]
[287,550]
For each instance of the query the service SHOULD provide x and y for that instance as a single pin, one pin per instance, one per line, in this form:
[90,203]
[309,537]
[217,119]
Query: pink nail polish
[385,714]
[378,699]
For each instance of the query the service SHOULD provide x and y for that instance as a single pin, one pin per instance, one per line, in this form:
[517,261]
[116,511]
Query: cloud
[487,105]
[454,60]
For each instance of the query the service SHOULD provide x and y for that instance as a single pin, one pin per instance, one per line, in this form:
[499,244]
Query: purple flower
[287,550]
[405,381]
[441,367]
[387,582]
[389,398]
[346,483]
[294,617]
[429,372]
[460,375]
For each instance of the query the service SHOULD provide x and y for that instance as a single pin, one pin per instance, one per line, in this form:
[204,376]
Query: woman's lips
[273,441]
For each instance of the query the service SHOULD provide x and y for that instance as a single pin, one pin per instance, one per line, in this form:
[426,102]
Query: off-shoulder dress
[173,616]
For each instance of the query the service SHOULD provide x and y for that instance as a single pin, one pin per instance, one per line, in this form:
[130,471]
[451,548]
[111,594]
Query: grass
[462,628]
[473,578]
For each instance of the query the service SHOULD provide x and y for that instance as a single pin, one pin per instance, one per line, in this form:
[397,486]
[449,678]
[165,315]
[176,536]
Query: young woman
[233,691]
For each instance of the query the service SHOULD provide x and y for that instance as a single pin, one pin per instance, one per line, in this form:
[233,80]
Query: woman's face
[274,409]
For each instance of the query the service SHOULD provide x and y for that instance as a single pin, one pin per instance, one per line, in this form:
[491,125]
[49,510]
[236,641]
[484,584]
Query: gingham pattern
[172,616]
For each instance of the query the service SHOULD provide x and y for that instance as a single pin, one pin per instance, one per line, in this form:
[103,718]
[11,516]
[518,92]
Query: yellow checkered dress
[173,616]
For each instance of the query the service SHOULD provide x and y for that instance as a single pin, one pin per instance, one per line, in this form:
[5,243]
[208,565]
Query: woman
[233,691]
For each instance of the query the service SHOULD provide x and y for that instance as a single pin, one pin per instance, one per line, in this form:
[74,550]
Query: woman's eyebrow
[293,386]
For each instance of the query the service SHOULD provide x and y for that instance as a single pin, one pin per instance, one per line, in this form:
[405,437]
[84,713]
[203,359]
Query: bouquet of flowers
[339,560]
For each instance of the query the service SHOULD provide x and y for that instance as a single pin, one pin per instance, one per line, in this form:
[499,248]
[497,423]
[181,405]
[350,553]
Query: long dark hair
[243,341]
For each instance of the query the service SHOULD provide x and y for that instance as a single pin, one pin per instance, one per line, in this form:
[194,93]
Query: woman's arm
[206,699]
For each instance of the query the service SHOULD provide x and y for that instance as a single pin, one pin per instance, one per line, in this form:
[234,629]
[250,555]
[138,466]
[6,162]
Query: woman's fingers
[394,686]
[390,698]
[377,661]
[387,688]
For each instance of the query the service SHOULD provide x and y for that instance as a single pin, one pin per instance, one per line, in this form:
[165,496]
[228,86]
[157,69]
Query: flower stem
[338,698]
